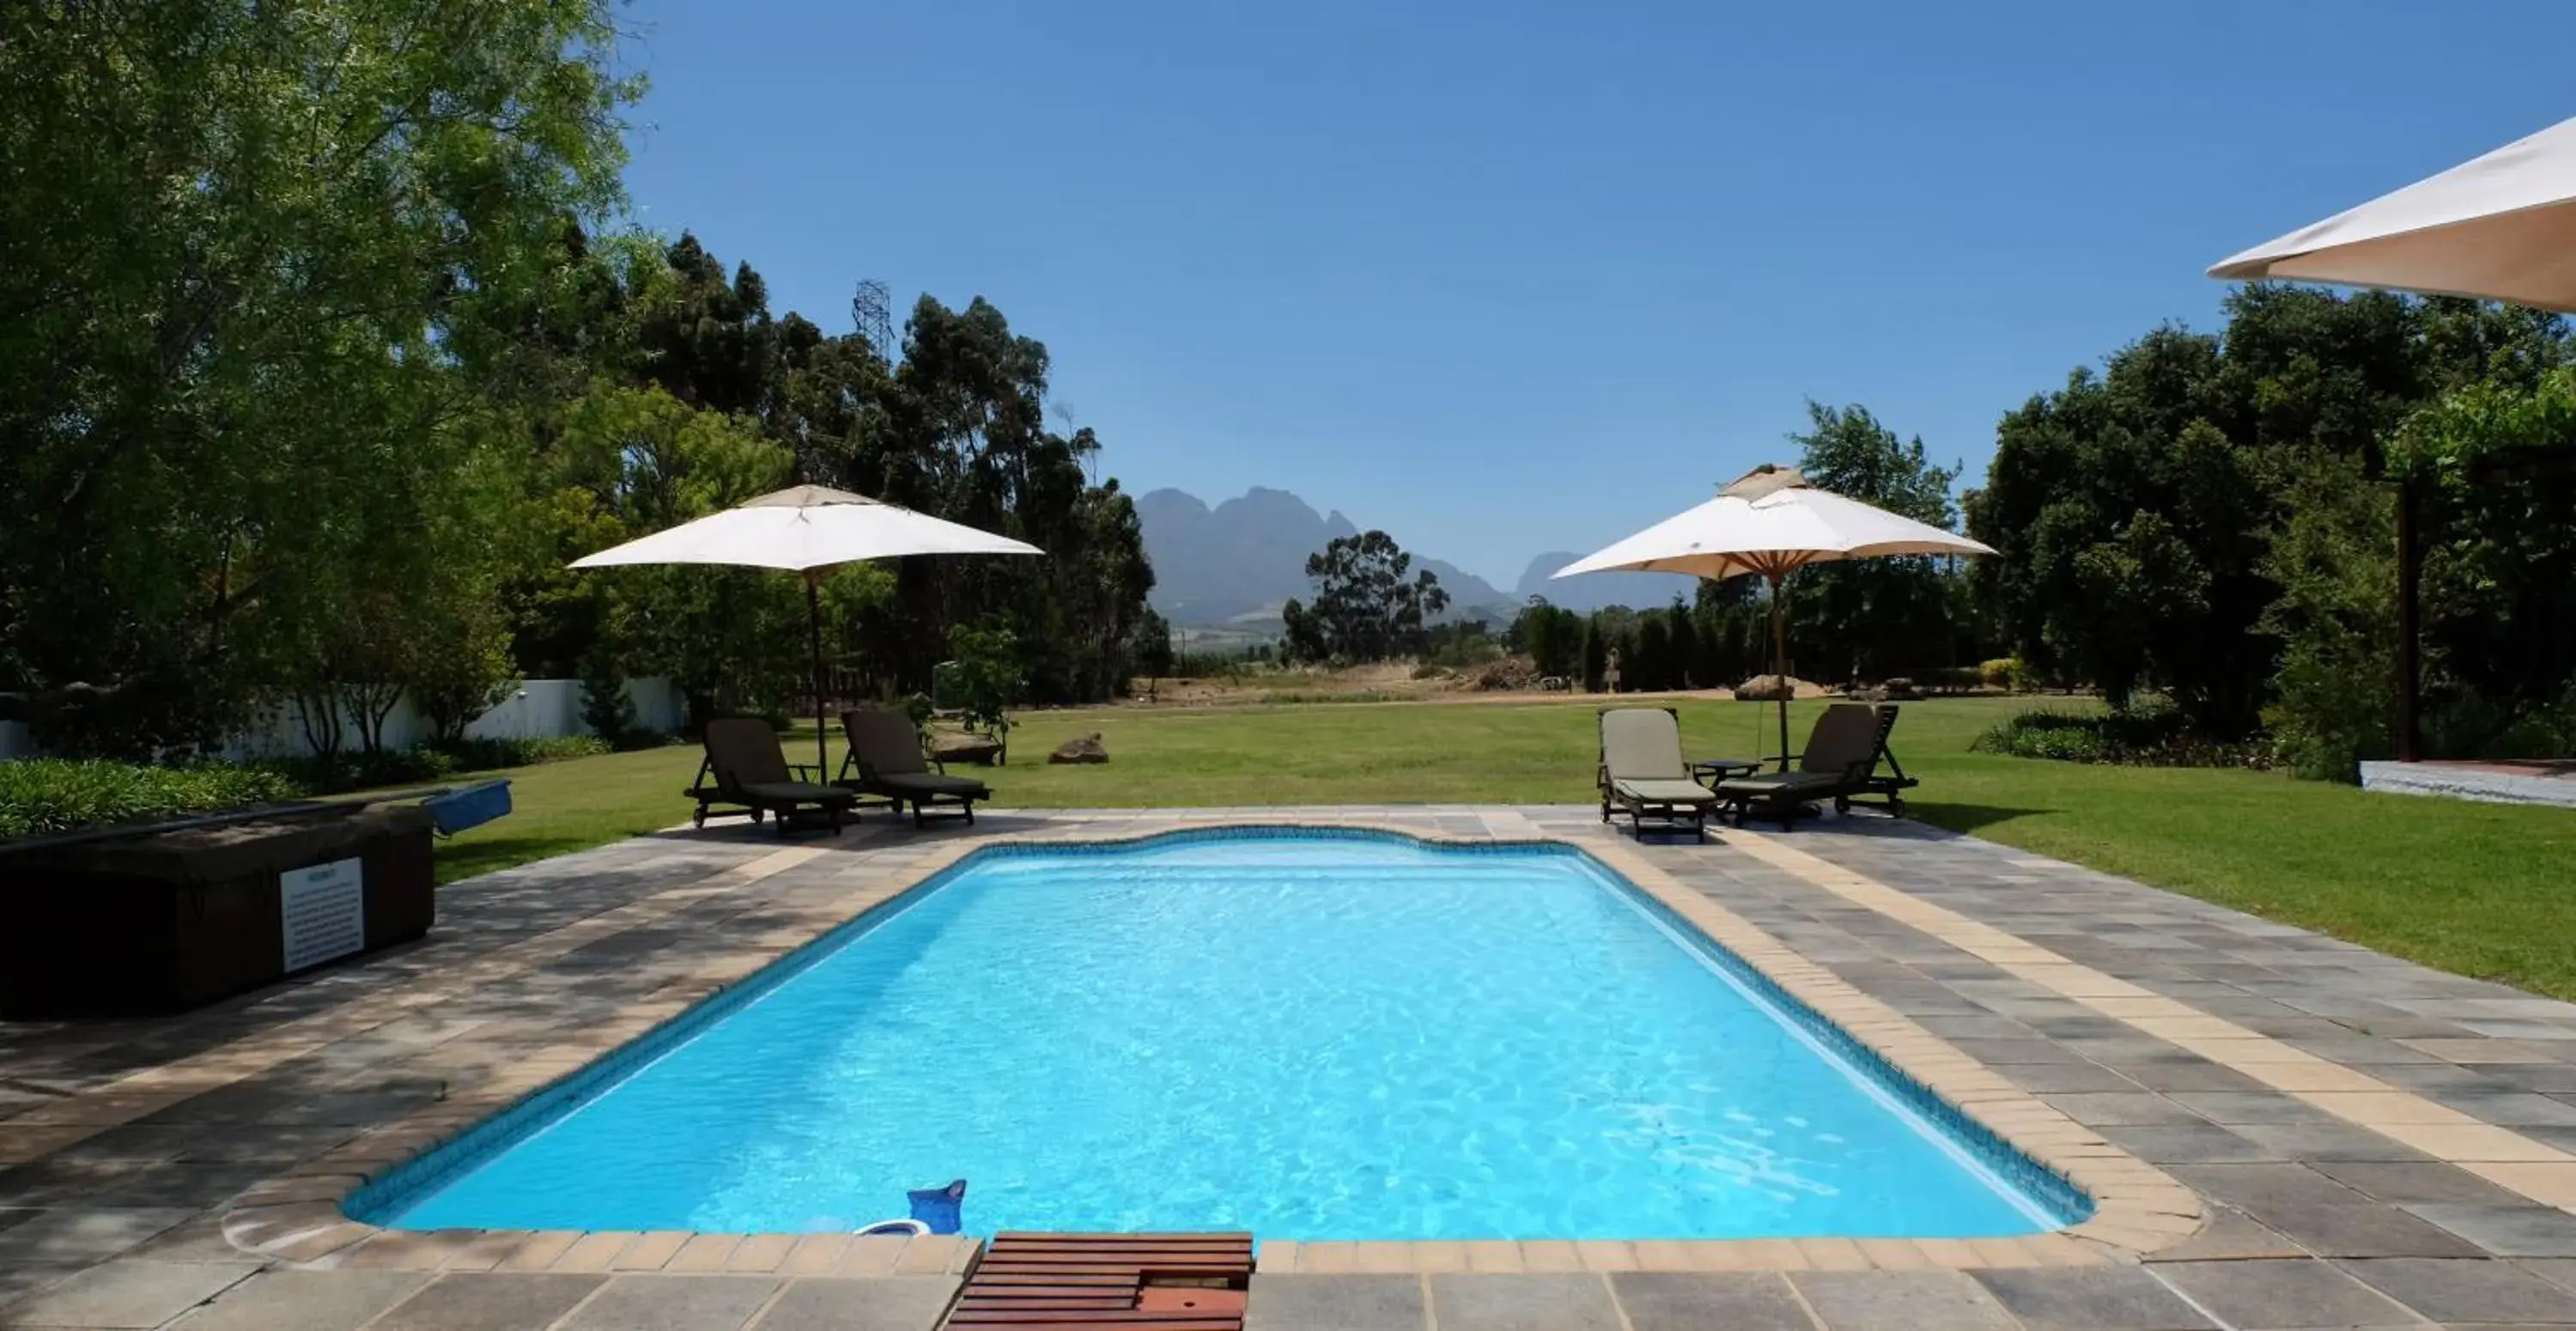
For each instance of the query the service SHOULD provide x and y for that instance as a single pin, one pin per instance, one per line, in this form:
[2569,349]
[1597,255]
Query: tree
[985,672]
[1689,669]
[2335,561]
[1365,609]
[1152,646]
[1596,655]
[1872,618]
[2493,469]
[1650,667]
[255,272]
[1734,629]
[2136,511]
[1551,635]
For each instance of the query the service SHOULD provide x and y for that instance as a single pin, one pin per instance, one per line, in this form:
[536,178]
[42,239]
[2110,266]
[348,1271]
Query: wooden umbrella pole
[814,625]
[1780,665]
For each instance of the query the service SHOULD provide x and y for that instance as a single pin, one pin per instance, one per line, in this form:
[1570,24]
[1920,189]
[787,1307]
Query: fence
[537,709]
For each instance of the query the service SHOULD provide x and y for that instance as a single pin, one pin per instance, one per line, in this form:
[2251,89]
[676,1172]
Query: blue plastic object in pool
[940,1208]
[1306,1035]
[469,806]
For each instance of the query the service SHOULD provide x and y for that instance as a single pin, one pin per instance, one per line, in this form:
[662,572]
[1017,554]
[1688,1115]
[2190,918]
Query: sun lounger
[746,771]
[1643,775]
[1841,752]
[886,761]
[1889,785]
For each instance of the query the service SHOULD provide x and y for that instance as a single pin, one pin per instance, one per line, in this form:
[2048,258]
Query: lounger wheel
[756,815]
[699,819]
[1842,804]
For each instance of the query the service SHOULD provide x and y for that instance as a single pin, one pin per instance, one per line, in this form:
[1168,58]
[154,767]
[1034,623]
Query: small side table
[1710,771]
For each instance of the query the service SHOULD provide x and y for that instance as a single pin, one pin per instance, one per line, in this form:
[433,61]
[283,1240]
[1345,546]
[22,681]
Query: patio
[2415,1170]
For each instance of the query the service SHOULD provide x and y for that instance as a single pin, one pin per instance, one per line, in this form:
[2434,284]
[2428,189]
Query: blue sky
[1505,278]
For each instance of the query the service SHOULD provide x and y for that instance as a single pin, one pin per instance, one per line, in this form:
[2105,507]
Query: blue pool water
[1309,1037]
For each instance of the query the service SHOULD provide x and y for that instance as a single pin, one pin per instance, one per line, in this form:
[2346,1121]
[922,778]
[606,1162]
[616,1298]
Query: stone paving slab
[128,1292]
[1901,1301]
[2364,1134]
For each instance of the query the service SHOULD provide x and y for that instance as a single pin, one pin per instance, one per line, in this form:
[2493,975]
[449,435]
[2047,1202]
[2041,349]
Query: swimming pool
[1308,1035]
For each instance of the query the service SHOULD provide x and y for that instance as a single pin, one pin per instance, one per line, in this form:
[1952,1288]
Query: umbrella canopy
[807,529]
[2502,227]
[803,529]
[1772,521]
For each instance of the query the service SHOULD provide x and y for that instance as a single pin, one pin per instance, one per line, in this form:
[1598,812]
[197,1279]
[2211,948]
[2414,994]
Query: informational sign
[325,911]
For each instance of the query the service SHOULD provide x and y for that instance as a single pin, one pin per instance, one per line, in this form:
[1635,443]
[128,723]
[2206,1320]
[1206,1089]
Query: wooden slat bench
[1134,1282]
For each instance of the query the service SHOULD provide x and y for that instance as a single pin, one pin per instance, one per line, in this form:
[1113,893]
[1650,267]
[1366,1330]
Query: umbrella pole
[814,626]
[1780,667]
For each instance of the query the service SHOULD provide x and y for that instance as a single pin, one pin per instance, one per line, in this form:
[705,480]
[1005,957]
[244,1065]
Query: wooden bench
[1135,1282]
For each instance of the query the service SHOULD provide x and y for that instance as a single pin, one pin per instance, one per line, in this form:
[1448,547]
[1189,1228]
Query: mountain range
[1237,562]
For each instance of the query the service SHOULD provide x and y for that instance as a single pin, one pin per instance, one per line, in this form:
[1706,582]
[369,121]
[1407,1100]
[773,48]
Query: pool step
[1134,1282]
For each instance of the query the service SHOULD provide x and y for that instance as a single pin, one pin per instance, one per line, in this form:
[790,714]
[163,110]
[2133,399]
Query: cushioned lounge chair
[1887,779]
[1841,752]
[1642,773]
[886,761]
[746,771]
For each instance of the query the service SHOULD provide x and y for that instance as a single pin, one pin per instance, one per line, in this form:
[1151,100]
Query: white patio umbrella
[1772,522]
[807,529]
[2502,227]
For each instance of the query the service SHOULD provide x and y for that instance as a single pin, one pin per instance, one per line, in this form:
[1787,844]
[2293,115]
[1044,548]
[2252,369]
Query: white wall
[539,709]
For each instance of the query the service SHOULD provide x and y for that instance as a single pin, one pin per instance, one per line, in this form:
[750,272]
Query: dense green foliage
[428,763]
[2140,736]
[323,347]
[259,267]
[1551,636]
[1872,619]
[39,796]
[2494,469]
[981,679]
[1365,608]
[2208,519]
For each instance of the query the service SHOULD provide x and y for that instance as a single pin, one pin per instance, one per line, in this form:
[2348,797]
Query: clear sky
[1505,278]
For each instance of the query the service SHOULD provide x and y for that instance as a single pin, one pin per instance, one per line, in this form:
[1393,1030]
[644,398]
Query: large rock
[1765,688]
[1080,749]
[1772,688]
[965,747]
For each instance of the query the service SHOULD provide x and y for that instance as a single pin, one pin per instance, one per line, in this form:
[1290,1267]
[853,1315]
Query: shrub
[1463,653]
[1948,679]
[605,708]
[428,763]
[483,755]
[2003,672]
[359,770]
[2144,736]
[40,796]
[1207,665]
[985,676]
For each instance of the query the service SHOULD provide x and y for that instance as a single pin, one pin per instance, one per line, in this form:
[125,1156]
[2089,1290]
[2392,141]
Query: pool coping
[299,1216]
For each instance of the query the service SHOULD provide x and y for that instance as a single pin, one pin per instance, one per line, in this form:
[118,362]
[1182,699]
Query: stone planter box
[165,920]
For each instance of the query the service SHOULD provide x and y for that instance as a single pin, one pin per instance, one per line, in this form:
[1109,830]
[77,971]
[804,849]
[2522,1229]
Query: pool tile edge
[2138,1209]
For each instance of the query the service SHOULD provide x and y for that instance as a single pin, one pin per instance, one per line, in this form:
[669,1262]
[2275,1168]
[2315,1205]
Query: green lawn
[2478,889]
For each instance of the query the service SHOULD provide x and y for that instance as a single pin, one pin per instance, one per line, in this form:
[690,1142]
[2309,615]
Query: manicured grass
[2478,889]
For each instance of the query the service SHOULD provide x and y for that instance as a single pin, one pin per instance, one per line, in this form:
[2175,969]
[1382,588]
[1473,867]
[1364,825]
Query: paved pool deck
[2304,1133]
